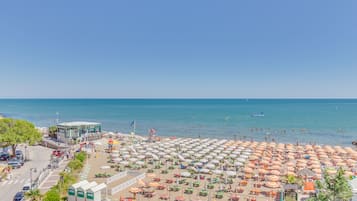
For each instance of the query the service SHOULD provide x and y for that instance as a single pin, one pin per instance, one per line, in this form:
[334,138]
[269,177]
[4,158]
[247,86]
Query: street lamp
[25,158]
[32,170]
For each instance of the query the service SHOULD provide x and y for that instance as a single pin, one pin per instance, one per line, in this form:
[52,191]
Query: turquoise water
[324,121]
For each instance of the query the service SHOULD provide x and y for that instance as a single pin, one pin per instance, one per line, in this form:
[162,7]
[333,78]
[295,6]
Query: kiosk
[81,191]
[97,193]
[72,190]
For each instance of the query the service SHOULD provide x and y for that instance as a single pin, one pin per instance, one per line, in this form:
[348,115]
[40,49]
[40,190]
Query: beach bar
[69,131]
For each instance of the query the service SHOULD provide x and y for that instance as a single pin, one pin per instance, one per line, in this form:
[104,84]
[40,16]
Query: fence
[126,184]
[116,177]
[41,177]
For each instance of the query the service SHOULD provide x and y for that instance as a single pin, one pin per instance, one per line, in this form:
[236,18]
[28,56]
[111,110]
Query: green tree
[15,131]
[52,195]
[52,131]
[292,179]
[333,188]
[34,195]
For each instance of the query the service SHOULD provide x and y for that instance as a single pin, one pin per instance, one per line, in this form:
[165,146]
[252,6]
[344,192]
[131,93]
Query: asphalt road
[39,158]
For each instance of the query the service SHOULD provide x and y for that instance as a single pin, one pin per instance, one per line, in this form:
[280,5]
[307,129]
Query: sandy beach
[213,169]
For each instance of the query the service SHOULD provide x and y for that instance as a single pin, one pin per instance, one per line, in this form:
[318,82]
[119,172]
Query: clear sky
[231,49]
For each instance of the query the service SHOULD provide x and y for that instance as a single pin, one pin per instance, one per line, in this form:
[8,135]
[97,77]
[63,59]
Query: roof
[98,188]
[291,187]
[306,172]
[78,123]
[79,184]
[88,186]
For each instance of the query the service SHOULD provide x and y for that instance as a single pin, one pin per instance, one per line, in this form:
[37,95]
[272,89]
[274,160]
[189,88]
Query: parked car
[26,187]
[14,163]
[19,154]
[57,153]
[20,196]
[4,156]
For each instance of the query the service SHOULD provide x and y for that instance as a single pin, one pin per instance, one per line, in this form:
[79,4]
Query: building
[69,131]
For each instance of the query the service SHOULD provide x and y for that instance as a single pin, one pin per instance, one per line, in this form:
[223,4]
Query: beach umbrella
[272,184]
[151,175]
[215,161]
[210,166]
[273,178]
[124,162]
[154,184]
[262,171]
[133,159]
[275,172]
[217,172]
[140,163]
[134,190]
[237,164]
[275,167]
[185,174]
[241,160]
[199,164]
[204,170]
[248,170]
[231,173]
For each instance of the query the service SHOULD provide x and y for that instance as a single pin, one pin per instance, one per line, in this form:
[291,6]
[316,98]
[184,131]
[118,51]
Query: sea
[320,121]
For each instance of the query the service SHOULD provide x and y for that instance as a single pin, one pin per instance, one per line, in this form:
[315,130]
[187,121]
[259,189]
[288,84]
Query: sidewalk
[52,179]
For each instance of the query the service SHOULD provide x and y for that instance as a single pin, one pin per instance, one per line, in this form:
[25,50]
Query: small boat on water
[261,114]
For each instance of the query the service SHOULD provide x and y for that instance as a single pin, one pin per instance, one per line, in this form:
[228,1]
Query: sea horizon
[304,120]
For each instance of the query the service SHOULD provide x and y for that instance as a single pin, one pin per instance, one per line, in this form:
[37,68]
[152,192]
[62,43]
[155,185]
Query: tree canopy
[333,188]
[16,131]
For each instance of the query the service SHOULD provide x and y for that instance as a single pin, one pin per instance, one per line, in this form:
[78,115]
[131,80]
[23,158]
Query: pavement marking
[4,183]
[15,181]
[10,182]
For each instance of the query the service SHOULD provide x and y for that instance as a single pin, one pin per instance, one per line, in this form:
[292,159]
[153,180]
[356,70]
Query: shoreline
[165,138]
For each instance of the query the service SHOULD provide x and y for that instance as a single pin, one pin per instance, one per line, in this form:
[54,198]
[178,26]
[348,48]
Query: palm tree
[34,195]
[334,188]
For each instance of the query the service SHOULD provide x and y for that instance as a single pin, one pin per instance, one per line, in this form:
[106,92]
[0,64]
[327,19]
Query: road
[39,158]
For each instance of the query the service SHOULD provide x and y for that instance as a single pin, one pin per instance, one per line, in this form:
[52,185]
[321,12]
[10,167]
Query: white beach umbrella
[215,161]
[204,170]
[210,166]
[198,164]
[139,162]
[241,160]
[133,159]
[231,173]
[185,174]
[124,162]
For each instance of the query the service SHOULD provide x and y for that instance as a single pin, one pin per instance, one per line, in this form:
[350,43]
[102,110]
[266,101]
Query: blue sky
[183,49]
